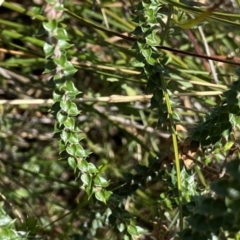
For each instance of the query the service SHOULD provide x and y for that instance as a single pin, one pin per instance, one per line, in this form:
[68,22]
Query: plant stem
[175,148]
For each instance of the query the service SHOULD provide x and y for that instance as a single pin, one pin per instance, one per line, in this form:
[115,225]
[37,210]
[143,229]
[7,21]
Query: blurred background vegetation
[121,127]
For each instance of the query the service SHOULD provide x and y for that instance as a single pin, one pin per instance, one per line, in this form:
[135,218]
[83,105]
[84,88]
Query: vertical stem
[175,148]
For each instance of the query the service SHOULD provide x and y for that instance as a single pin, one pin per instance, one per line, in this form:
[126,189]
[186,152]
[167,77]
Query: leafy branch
[64,108]
[148,18]
[222,119]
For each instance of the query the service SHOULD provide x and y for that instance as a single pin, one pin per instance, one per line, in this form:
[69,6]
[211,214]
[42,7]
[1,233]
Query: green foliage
[109,171]
[216,214]
[222,118]
[148,16]
[7,228]
[65,109]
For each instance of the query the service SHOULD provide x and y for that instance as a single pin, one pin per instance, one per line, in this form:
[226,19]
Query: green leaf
[121,227]
[73,138]
[100,181]
[176,117]
[65,136]
[141,43]
[61,117]
[146,52]
[126,237]
[151,60]
[48,50]
[102,195]
[73,110]
[132,229]
[69,123]
[86,179]
[57,96]
[152,39]
[151,16]
[69,107]
[70,137]
[62,146]
[112,79]
[72,162]
[141,230]
[5,221]
[49,67]
[50,26]
[136,63]
[57,129]
[70,88]
[92,168]
[64,44]
[76,150]
[62,34]
[137,31]
[228,146]
[61,61]
[83,165]
[69,69]
[96,223]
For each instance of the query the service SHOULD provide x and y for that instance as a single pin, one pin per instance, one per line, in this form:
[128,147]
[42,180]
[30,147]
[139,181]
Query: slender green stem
[22,37]
[19,9]
[173,130]
[175,148]
[19,27]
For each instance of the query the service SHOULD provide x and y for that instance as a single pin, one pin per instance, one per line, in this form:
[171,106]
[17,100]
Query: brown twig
[204,167]
[216,58]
